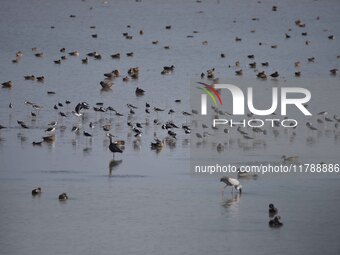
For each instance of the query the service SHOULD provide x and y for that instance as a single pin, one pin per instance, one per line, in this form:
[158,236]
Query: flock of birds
[275,219]
[324,121]
[81,118]
[226,137]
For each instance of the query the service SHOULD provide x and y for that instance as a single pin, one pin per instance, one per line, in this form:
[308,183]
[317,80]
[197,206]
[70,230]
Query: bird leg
[222,190]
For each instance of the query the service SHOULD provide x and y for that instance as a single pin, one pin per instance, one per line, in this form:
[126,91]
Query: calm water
[145,201]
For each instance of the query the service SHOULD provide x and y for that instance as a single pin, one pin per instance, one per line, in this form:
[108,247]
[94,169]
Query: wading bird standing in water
[231,182]
[116,146]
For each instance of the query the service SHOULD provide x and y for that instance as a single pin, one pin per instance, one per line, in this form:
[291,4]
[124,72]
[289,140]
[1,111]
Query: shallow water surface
[143,200]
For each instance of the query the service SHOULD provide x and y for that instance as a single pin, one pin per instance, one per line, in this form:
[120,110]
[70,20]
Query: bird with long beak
[234,183]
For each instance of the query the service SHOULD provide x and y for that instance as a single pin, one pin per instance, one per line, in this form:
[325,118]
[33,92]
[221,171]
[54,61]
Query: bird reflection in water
[171,143]
[87,150]
[103,90]
[22,138]
[232,201]
[157,145]
[137,145]
[113,165]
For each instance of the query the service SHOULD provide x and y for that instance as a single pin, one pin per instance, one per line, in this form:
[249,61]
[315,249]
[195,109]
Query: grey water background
[144,201]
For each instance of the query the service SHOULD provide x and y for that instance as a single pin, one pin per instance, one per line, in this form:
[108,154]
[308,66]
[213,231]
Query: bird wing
[78,108]
[233,181]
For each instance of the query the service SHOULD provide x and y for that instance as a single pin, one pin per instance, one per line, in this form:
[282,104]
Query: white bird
[231,182]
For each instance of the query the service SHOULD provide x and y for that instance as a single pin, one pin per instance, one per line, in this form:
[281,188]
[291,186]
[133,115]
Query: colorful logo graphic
[211,91]
[239,99]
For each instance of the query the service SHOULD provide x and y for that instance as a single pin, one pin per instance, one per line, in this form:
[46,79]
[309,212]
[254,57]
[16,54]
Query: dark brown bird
[333,71]
[41,78]
[261,75]
[7,84]
[39,55]
[36,191]
[274,75]
[239,72]
[29,77]
[115,146]
[63,197]
[139,91]
[87,134]
[252,65]
[117,55]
